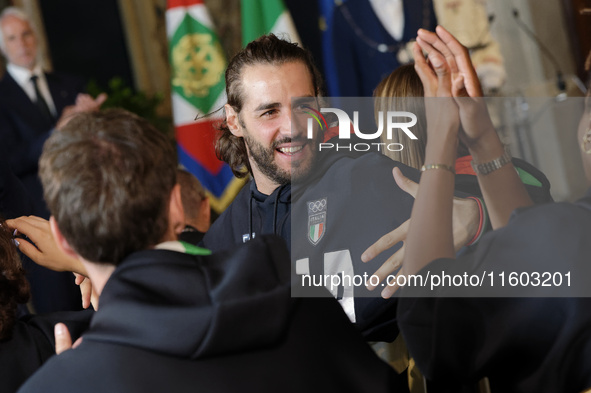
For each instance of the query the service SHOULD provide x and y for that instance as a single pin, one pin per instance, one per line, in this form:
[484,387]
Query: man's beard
[265,161]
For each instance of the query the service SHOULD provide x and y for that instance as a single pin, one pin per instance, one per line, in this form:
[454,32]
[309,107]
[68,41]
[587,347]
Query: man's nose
[297,125]
[286,125]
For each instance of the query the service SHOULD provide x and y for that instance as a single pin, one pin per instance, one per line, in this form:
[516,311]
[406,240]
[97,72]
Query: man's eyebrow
[304,99]
[266,106]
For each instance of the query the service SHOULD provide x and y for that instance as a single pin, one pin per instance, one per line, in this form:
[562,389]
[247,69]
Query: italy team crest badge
[316,220]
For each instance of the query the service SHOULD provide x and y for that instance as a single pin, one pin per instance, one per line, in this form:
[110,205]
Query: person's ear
[176,213]
[60,240]
[233,121]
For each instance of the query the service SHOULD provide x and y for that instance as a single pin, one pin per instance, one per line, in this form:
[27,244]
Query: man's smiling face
[278,149]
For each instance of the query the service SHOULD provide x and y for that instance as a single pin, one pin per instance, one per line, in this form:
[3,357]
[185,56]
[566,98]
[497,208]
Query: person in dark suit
[33,104]
[371,38]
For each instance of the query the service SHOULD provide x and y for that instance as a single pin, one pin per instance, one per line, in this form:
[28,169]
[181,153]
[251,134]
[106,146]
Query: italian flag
[316,232]
[260,17]
[197,78]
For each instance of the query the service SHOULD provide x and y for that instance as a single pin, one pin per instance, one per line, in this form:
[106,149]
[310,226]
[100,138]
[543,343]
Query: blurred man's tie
[40,102]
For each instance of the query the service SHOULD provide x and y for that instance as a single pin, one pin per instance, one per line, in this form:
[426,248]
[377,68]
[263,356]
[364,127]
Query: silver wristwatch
[491,166]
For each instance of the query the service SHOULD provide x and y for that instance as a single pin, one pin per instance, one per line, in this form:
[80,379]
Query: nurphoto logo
[394,120]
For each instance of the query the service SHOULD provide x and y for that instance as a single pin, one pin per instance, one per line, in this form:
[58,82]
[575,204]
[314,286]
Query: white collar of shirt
[391,14]
[22,77]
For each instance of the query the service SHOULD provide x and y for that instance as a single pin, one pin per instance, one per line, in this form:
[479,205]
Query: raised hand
[465,221]
[465,81]
[502,190]
[462,81]
[43,250]
[84,103]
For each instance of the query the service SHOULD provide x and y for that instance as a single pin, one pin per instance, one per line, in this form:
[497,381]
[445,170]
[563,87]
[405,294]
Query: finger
[86,292]
[24,224]
[12,224]
[100,99]
[424,70]
[458,87]
[63,340]
[78,278]
[391,289]
[435,58]
[35,219]
[459,51]
[86,301]
[421,65]
[386,242]
[407,185]
[29,250]
[94,300]
[439,45]
[36,229]
[463,61]
[440,66]
[390,266]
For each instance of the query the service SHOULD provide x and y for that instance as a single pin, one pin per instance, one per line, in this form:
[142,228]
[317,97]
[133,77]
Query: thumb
[405,183]
[63,340]
[459,87]
[100,99]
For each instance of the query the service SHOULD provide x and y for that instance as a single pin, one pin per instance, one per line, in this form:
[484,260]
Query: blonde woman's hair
[402,90]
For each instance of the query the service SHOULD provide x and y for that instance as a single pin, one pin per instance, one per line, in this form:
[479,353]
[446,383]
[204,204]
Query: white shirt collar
[23,75]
